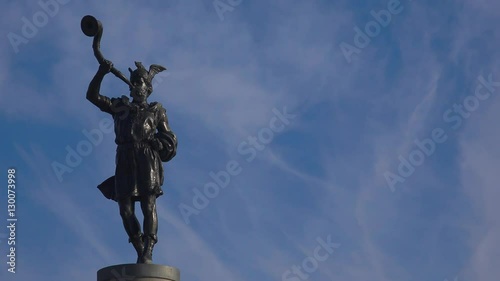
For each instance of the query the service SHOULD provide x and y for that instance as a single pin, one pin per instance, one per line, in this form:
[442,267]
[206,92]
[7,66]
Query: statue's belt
[131,145]
[164,143]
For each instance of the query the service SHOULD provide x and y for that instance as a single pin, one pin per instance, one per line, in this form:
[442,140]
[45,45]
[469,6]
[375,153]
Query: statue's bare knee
[126,208]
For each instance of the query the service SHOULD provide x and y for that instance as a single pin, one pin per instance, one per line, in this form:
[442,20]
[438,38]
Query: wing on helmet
[155,69]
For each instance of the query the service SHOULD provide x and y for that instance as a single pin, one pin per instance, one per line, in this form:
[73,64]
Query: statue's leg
[148,206]
[131,224]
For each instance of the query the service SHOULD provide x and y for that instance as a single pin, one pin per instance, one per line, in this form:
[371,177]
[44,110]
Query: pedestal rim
[135,270]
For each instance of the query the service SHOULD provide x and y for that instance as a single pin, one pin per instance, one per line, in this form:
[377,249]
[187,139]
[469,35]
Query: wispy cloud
[322,175]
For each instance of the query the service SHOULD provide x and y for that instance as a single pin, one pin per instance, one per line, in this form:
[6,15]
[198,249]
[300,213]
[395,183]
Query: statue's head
[142,80]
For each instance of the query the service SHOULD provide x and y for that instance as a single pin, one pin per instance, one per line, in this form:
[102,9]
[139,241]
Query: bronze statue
[144,140]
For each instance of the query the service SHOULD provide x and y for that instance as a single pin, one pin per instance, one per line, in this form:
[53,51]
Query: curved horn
[93,28]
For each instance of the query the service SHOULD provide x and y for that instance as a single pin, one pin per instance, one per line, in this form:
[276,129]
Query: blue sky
[322,176]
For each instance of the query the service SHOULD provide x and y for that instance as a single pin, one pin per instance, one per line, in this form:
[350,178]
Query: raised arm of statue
[93,95]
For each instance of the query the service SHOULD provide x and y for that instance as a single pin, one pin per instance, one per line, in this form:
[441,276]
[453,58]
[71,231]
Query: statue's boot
[147,255]
[138,245]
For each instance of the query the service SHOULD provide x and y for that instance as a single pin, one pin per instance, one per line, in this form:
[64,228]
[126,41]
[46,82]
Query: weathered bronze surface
[144,140]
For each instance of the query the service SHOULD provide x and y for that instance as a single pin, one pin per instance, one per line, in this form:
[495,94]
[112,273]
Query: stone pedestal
[138,272]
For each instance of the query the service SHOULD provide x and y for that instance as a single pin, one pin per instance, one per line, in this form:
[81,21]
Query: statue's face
[139,91]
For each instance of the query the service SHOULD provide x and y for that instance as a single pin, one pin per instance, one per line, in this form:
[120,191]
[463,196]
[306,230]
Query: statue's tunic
[139,169]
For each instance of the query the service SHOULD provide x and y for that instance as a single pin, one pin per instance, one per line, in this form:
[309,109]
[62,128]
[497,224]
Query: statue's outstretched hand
[105,66]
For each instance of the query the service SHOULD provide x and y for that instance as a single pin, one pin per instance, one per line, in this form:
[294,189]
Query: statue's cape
[107,188]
